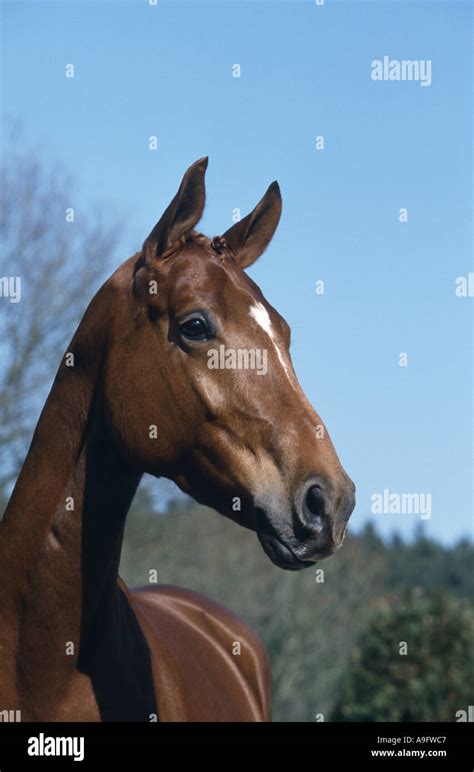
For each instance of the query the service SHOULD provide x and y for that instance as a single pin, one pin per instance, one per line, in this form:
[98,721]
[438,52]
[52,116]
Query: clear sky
[167,70]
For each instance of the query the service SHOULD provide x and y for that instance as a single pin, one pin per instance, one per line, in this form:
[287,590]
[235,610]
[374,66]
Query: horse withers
[179,368]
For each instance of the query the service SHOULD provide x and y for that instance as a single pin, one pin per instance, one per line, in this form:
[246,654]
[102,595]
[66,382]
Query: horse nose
[313,506]
[316,504]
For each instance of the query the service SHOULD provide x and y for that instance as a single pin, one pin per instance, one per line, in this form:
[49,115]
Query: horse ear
[181,215]
[251,236]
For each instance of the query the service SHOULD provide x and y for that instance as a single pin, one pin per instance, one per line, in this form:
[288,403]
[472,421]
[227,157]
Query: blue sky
[166,70]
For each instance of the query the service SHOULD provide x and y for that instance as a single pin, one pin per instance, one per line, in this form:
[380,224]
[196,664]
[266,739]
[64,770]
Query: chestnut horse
[135,393]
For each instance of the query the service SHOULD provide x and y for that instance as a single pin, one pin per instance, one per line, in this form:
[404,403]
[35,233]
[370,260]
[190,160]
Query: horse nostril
[315,500]
[314,509]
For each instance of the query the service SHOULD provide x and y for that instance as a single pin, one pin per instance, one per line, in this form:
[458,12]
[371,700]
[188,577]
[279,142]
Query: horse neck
[61,536]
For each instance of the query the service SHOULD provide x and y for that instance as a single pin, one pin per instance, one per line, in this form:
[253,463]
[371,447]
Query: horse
[134,394]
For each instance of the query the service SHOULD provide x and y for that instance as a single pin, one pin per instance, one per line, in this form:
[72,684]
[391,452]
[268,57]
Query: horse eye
[194,329]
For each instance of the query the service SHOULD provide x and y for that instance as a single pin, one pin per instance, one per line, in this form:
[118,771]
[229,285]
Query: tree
[426,563]
[60,255]
[414,662]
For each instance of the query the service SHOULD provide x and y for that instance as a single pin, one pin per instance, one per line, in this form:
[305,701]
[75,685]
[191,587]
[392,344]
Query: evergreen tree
[414,662]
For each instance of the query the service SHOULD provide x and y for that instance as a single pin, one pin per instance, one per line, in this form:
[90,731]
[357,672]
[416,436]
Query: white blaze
[261,316]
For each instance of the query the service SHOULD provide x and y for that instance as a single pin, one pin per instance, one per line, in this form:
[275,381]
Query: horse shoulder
[205,655]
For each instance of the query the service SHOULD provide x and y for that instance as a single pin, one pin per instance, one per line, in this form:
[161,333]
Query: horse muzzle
[314,528]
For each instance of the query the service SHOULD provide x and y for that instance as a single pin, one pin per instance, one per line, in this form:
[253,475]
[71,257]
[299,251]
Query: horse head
[200,386]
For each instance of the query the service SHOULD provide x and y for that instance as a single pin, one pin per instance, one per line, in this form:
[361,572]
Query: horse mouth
[277,550]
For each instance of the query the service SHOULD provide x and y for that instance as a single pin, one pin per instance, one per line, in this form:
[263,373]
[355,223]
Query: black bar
[449,745]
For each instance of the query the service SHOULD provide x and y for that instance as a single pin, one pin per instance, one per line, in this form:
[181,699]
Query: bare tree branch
[61,265]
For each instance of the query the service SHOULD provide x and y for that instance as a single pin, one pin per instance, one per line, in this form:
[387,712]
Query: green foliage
[311,629]
[425,563]
[431,681]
